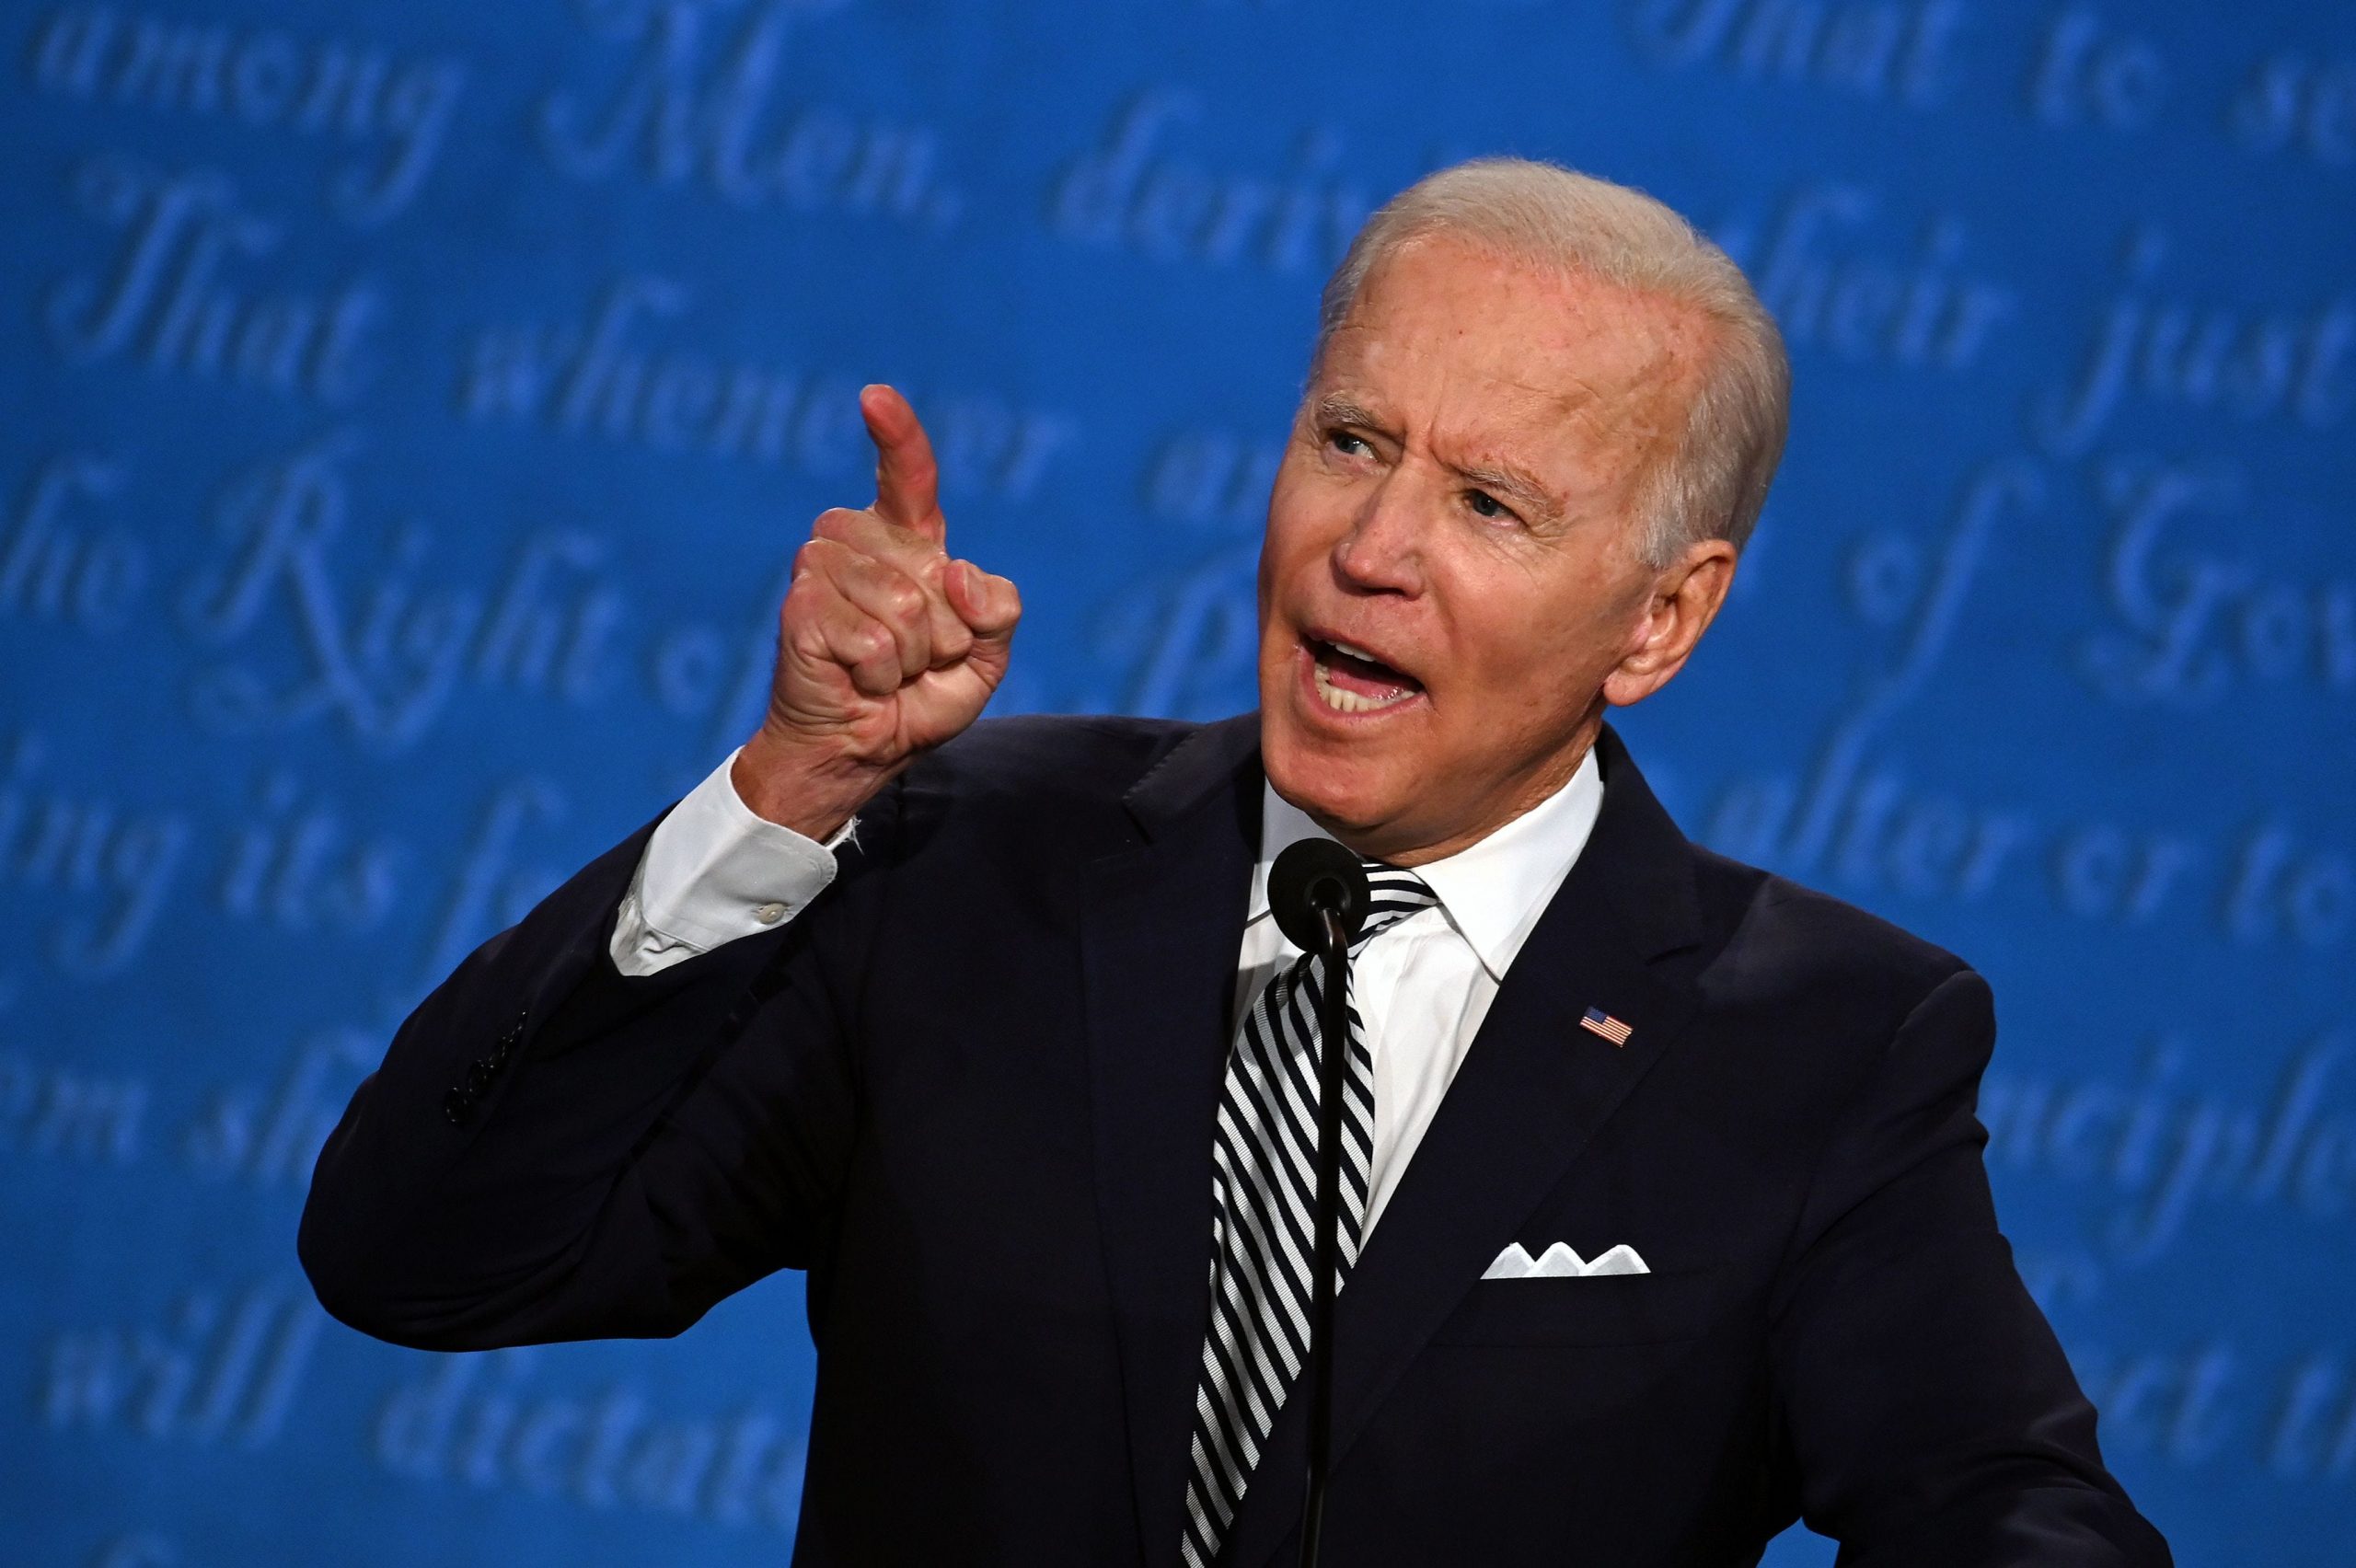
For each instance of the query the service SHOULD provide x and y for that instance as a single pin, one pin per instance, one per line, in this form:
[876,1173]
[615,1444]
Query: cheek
[1524,647]
[1300,526]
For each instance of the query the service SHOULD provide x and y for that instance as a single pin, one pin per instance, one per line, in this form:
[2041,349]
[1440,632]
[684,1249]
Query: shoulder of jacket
[1766,924]
[1047,757]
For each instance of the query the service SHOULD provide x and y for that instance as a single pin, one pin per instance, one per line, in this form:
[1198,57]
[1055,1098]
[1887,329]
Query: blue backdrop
[411,409]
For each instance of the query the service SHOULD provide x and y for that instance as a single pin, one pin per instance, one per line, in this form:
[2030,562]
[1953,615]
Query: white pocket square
[1559,1262]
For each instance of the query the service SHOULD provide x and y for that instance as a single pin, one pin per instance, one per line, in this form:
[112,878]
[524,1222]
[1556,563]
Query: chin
[1339,789]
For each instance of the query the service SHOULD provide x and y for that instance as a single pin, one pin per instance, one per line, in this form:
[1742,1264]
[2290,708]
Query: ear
[1683,601]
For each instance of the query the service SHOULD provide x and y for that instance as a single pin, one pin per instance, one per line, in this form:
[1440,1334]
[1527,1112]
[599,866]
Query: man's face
[1450,588]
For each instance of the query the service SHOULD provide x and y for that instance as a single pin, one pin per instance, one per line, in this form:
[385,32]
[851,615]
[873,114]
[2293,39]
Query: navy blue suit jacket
[971,1092]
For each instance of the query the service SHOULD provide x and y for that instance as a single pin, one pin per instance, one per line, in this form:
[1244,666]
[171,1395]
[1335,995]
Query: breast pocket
[1643,1308]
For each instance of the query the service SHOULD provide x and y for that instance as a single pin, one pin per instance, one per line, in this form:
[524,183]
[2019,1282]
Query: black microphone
[1317,890]
[1313,875]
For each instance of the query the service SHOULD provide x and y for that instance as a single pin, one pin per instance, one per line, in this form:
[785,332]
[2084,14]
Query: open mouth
[1349,679]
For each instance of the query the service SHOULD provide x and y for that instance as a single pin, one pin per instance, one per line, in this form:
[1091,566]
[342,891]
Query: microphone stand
[1318,892]
[1333,1029]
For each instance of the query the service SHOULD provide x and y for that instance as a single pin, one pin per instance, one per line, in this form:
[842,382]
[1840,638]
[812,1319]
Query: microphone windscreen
[1312,874]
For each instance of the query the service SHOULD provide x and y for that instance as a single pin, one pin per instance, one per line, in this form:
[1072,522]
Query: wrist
[781,782]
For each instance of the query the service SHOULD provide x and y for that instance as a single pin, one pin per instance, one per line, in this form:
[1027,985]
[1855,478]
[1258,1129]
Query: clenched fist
[885,646]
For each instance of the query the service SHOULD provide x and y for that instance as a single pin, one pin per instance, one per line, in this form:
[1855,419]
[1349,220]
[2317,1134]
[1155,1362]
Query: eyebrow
[1507,478]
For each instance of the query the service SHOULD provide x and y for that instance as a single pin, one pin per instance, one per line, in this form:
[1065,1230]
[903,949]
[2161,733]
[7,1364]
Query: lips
[1351,678]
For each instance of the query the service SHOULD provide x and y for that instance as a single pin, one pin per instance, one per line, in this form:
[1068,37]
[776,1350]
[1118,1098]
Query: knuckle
[904,598]
[814,588]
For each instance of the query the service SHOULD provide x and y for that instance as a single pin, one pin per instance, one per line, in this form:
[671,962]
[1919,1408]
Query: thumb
[988,604]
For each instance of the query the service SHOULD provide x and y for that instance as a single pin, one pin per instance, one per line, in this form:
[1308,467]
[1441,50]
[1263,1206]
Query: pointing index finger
[907,478]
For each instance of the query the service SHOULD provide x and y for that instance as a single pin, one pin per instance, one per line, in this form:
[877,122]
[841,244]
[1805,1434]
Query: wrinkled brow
[1506,479]
[1333,409]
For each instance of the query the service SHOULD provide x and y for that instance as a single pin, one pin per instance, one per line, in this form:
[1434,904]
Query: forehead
[1455,336]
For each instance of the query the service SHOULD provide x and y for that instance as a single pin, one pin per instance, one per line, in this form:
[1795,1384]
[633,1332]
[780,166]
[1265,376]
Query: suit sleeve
[552,1150]
[1932,1417]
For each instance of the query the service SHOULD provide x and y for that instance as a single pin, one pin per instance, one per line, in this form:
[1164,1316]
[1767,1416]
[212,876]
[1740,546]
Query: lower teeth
[1345,701]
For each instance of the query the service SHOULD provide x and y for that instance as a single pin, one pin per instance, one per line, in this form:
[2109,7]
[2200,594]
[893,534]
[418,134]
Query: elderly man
[1663,1215]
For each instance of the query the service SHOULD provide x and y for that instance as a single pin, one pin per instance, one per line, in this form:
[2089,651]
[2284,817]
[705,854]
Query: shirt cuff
[714,871]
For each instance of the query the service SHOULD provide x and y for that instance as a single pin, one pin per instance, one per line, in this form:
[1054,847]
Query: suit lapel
[1159,941]
[1533,1091]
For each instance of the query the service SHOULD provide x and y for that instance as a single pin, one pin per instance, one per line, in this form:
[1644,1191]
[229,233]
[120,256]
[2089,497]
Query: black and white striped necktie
[1264,1188]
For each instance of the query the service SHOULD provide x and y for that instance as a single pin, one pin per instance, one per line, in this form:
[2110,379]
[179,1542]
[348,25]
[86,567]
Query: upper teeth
[1355,653]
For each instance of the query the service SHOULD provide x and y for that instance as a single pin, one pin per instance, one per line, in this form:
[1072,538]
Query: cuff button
[768,914]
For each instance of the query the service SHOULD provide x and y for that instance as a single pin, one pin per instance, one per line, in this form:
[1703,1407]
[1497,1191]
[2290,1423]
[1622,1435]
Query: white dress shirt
[714,871]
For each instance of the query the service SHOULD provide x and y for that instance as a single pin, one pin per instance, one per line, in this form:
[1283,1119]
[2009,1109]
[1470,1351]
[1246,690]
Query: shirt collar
[1493,891]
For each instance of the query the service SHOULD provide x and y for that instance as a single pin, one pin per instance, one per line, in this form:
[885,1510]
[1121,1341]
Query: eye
[1348,445]
[1487,506]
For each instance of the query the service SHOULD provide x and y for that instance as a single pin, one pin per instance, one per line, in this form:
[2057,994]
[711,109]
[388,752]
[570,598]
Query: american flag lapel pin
[1597,1021]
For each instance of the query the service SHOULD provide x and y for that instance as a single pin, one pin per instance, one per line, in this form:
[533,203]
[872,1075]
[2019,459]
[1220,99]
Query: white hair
[1714,483]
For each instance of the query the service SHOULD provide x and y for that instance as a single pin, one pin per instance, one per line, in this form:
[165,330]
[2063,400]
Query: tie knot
[1393,893]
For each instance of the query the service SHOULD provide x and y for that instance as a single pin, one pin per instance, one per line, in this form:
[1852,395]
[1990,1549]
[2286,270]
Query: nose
[1382,550]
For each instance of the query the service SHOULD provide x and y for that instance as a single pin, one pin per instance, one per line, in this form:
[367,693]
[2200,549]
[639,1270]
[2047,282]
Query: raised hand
[885,646]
